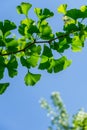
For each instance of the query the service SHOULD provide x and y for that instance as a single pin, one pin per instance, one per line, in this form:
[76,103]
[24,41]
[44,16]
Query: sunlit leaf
[23,8]
[57,65]
[31,79]
[62,8]
[77,44]
[3,87]
[35,49]
[33,60]
[45,30]
[44,63]
[43,14]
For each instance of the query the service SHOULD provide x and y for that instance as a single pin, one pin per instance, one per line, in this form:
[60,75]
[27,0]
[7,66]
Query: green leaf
[31,79]
[3,87]
[23,8]
[33,60]
[67,63]
[7,26]
[62,8]
[35,49]
[45,30]
[43,14]
[77,44]
[51,67]
[11,44]
[2,67]
[12,66]
[24,62]
[58,65]
[44,63]
[83,8]
[70,27]
[74,14]
[47,51]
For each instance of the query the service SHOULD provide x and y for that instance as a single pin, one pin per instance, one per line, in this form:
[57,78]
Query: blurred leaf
[43,14]
[74,14]
[62,8]
[21,29]
[12,66]
[3,87]
[31,79]
[23,8]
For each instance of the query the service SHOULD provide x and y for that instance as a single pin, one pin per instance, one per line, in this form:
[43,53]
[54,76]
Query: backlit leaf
[43,14]
[23,8]
[62,8]
[12,66]
[3,87]
[47,51]
[6,26]
[31,79]
[33,60]
[77,44]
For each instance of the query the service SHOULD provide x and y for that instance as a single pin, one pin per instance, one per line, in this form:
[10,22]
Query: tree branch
[34,42]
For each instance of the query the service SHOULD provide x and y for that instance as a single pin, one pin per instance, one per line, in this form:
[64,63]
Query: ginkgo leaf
[23,8]
[33,60]
[7,26]
[77,44]
[74,14]
[43,14]
[12,66]
[62,8]
[31,79]
[3,87]
[47,51]
[2,67]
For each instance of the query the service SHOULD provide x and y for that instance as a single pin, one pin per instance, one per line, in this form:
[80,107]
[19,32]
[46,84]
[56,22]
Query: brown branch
[37,42]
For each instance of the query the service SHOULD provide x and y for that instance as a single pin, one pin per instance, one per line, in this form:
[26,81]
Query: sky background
[19,105]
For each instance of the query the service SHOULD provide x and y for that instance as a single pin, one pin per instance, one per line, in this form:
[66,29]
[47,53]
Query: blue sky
[19,105]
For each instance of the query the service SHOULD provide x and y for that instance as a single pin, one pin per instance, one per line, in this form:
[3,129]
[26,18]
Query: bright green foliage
[3,87]
[62,8]
[43,14]
[60,117]
[34,48]
[31,79]
[24,8]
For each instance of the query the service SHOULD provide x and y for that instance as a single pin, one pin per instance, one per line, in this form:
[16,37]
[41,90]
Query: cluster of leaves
[37,42]
[60,117]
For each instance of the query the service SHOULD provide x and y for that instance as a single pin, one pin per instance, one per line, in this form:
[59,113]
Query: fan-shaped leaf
[31,79]
[3,87]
